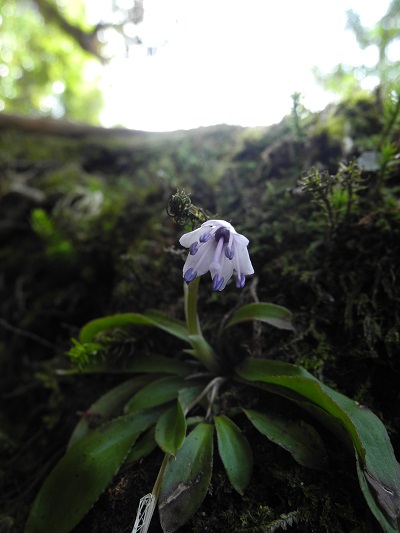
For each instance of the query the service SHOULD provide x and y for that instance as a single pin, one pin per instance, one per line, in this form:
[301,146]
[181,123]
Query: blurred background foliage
[43,69]
[51,57]
[345,80]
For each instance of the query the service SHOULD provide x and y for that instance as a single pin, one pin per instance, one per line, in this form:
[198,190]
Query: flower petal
[227,271]
[189,238]
[241,240]
[242,261]
[200,262]
[219,224]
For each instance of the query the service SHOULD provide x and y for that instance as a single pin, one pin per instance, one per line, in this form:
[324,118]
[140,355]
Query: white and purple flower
[218,248]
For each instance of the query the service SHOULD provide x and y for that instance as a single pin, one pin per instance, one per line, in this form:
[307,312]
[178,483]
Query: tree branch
[88,41]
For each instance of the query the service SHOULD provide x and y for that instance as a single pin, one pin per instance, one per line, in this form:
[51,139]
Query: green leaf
[298,438]
[186,479]
[174,327]
[158,392]
[150,364]
[84,472]
[188,395]
[366,431]
[107,406]
[92,328]
[158,364]
[370,496]
[272,314]
[143,447]
[171,429]
[194,420]
[235,452]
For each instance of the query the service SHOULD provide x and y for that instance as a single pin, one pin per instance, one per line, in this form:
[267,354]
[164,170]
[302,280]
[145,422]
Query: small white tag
[144,514]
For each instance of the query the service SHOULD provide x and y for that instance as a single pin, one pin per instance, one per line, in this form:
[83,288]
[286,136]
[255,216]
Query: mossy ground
[84,233]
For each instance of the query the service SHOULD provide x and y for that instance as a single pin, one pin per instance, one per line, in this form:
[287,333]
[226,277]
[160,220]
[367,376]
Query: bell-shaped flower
[218,248]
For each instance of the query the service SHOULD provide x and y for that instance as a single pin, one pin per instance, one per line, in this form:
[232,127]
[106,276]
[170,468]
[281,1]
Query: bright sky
[230,61]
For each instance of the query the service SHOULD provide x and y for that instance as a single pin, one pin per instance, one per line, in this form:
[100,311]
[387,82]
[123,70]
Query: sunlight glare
[207,62]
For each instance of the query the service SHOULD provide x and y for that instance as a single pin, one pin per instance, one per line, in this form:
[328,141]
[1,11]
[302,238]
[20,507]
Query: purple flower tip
[240,281]
[229,253]
[217,282]
[189,275]
[193,248]
[205,237]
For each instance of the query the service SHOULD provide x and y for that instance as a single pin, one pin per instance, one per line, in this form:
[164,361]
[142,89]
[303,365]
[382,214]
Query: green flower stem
[148,503]
[201,349]
[211,391]
[192,320]
[157,484]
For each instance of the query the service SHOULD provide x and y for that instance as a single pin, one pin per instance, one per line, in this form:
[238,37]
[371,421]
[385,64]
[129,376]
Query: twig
[29,335]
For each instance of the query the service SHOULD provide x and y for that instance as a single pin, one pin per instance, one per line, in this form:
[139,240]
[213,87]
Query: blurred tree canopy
[44,71]
[347,80]
[51,56]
